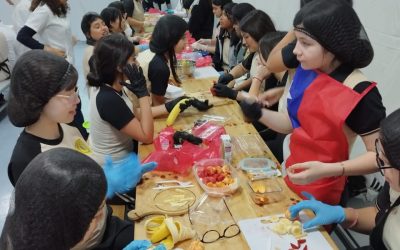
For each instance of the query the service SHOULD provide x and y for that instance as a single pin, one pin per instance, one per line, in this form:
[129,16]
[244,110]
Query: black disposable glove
[253,111]
[200,105]
[181,136]
[137,79]
[171,104]
[224,91]
[225,78]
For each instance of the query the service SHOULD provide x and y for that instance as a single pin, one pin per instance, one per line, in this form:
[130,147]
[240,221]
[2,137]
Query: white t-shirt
[20,14]
[53,30]
[392,226]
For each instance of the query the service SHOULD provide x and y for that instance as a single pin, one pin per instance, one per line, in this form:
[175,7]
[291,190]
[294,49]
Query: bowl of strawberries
[216,177]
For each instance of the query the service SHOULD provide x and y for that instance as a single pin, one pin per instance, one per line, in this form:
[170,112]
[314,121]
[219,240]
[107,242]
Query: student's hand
[199,46]
[225,78]
[324,214]
[307,172]
[252,110]
[200,105]
[57,52]
[171,104]
[138,245]
[143,47]
[137,79]
[224,91]
[271,96]
[204,41]
[124,175]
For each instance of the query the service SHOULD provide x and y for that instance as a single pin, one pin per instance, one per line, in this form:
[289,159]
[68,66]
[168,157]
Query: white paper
[258,235]
[205,72]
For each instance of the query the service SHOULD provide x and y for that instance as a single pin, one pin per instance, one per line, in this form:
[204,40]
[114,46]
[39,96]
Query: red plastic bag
[180,160]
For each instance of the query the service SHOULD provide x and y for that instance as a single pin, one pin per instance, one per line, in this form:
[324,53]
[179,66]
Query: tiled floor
[9,135]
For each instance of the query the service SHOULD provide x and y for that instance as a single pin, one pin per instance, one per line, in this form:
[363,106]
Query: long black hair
[37,77]
[55,200]
[111,14]
[110,52]
[268,42]
[257,23]
[167,33]
[240,10]
[55,6]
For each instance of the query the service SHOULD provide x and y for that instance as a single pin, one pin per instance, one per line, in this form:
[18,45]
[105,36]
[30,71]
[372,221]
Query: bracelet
[254,77]
[342,164]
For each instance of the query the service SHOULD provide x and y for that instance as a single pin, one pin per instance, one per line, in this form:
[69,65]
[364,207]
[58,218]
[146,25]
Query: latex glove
[324,214]
[125,175]
[225,78]
[252,110]
[200,105]
[171,104]
[271,96]
[306,172]
[224,91]
[136,77]
[204,41]
[138,245]
[199,46]
[143,47]
[160,247]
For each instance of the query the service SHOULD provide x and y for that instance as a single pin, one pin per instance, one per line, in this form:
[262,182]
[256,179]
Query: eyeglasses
[380,163]
[213,235]
[71,98]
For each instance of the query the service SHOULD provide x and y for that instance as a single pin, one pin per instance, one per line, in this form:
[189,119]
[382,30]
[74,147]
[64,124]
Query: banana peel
[175,112]
[167,231]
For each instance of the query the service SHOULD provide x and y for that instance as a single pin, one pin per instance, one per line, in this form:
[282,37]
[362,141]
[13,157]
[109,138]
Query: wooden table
[240,204]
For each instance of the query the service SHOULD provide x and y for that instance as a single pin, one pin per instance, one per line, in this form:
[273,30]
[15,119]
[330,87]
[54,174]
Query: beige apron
[138,11]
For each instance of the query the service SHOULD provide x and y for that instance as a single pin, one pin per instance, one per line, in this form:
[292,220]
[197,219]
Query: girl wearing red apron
[329,102]
[382,221]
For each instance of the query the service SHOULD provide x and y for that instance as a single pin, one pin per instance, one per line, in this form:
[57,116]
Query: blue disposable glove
[143,47]
[124,175]
[324,214]
[138,245]
[160,247]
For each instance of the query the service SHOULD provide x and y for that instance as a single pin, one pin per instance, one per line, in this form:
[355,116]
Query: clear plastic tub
[216,177]
[265,191]
[259,168]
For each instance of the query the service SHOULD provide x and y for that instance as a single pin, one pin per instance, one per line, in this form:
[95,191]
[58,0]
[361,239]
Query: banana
[175,112]
[161,233]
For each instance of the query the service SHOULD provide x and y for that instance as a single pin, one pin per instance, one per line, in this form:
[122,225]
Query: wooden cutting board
[172,201]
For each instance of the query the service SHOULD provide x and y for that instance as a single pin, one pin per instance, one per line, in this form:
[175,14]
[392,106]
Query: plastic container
[259,168]
[186,67]
[265,191]
[216,177]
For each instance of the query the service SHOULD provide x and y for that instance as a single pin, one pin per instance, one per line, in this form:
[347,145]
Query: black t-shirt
[112,108]
[367,115]
[158,75]
[28,146]
[247,61]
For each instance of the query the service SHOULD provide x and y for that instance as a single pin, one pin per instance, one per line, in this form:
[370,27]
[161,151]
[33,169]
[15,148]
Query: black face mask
[187,3]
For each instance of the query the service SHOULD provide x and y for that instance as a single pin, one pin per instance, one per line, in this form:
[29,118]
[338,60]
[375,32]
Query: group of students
[304,83]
